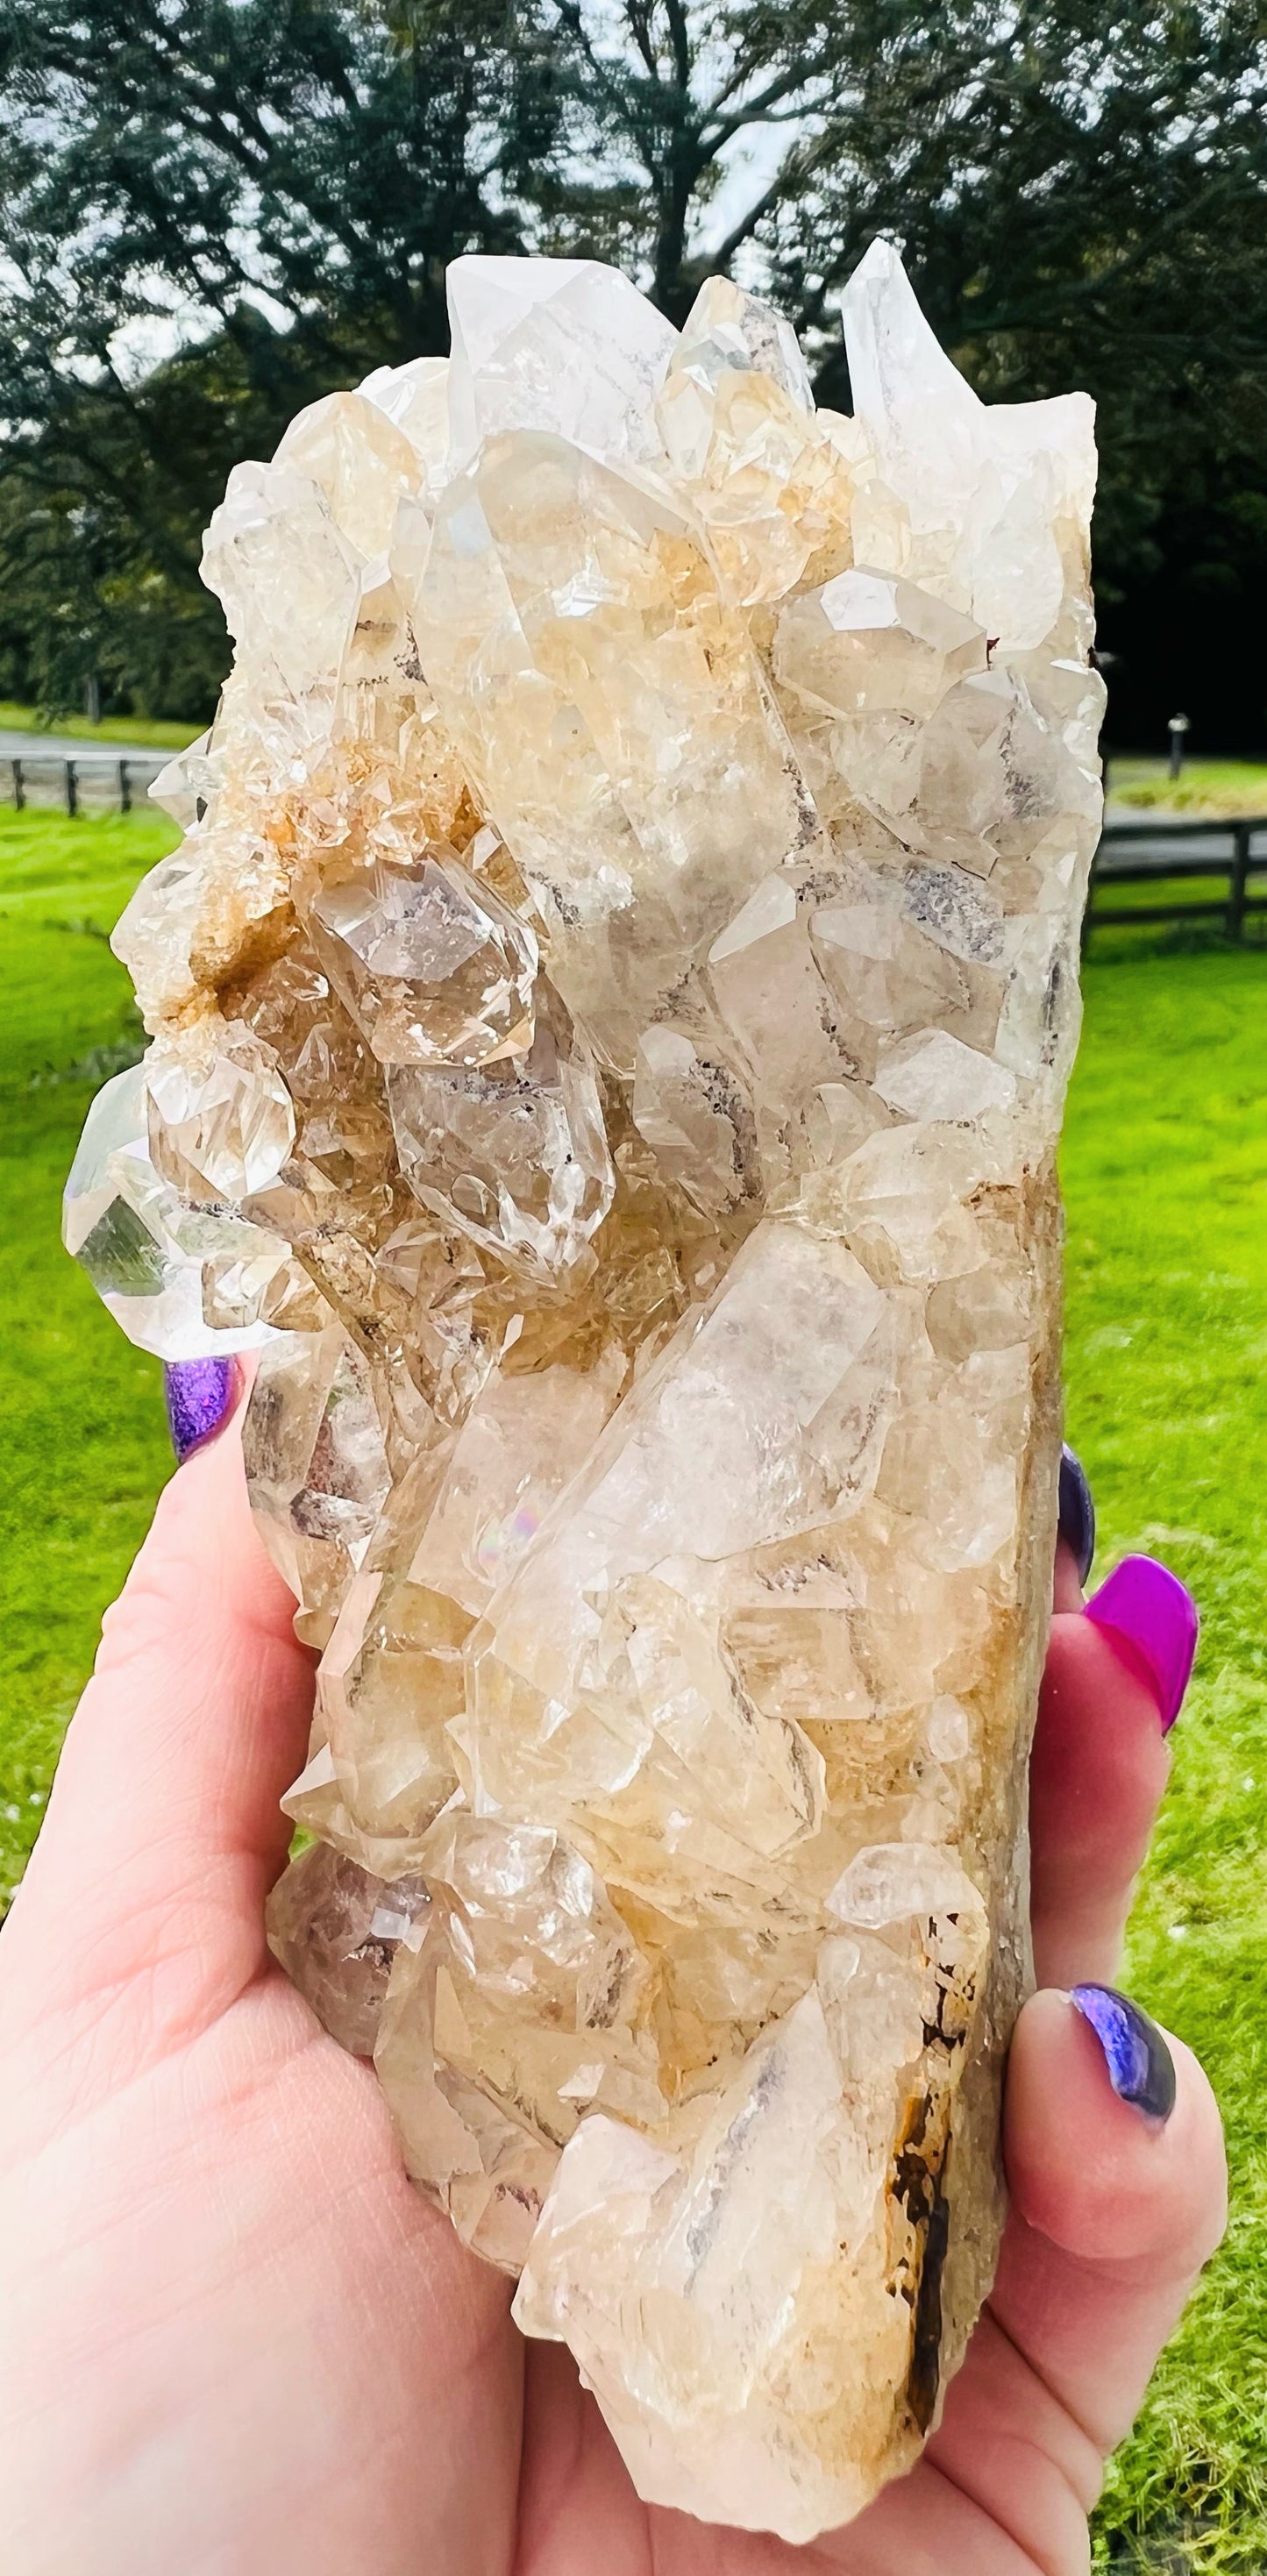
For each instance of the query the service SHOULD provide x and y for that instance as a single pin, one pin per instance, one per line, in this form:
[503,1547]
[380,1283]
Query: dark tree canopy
[212,210]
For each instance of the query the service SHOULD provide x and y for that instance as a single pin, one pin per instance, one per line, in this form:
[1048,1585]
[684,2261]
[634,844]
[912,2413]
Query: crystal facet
[336,1930]
[610,1020]
[432,966]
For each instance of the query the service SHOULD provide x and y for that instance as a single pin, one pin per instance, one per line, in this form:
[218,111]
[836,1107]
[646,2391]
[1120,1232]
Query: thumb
[1115,2162]
[1115,2159]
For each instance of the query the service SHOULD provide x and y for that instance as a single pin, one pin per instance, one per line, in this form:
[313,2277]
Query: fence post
[125,789]
[1085,931]
[19,789]
[72,789]
[1236,887]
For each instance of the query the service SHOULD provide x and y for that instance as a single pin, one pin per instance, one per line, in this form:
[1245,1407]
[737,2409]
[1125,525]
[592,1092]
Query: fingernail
[1141,2068]
[1152,1617]
[1076,1517]
[200,1396]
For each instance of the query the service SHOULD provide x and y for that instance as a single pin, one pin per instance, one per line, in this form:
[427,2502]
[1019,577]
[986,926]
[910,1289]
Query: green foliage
[1167,1371]
[278,189]
[270,194]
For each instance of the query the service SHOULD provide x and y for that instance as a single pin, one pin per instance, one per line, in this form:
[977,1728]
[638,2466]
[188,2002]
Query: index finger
[163,1829]
[1116,1672]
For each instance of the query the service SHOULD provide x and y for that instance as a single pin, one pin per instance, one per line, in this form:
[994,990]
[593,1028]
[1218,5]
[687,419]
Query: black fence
[91,785]
[1158,853]
[1233,853]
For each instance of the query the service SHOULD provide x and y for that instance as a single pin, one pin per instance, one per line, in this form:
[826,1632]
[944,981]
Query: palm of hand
[235,2339]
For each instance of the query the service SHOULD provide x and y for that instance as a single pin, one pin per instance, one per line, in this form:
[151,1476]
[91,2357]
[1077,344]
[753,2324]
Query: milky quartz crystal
[610,1016]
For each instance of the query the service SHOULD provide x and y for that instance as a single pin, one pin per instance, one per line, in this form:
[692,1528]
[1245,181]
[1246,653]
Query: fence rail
[1239,861]
[43,778]
[47,778]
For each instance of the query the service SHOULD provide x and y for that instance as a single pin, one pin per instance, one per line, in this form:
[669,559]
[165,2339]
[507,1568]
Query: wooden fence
[1139,854]
[1234,851]
[45,778]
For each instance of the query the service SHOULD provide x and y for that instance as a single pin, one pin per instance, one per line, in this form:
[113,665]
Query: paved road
[66,746]
[1161,851]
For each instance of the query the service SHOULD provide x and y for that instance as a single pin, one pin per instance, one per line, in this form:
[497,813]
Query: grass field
[1166,1182]
[1204,787]
[159,731]
[85,1450]
[1117,940]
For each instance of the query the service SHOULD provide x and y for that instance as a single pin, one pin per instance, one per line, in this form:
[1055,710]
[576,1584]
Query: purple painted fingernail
[1076,1518]
[1141,2068]
[200,1396]
[1152,1617]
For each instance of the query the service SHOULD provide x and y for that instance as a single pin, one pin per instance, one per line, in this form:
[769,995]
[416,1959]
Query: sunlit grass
[1106,940]
[1165,1169]
[84,1445]
[159,731]
[1203,787]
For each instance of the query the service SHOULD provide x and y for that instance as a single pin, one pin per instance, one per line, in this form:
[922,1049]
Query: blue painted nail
[200,1397]
[1153,1619]
[1076,1519]
[1141,2068]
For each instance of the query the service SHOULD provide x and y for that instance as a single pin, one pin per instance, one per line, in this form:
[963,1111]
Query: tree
[265,199]
[1080,192]
[1081,195]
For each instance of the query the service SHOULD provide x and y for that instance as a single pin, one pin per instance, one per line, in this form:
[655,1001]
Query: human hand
[234,2341]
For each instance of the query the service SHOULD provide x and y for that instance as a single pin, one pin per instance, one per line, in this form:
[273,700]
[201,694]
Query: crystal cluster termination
[610,1018]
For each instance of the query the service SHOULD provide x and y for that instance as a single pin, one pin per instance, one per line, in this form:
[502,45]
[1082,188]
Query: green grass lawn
[85,1448]
[160,731]
[1165,1172]
[1116,940]
[1166,1182]
[1204,786]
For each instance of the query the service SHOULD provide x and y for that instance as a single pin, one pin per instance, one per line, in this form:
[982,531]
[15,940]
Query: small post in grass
[125,789]
[19,784]
[1178,744]
[72,789]
[1236,883]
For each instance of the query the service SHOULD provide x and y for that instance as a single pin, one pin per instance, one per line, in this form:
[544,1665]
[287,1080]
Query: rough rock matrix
[610,1018]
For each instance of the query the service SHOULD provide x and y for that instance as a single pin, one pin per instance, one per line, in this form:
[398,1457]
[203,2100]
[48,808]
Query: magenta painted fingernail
[200,1397]
[1152,1617]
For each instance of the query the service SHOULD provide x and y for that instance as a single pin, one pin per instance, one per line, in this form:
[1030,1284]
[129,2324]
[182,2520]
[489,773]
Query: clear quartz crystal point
[615,714]
[185,1277]
[432,966]
[336,1931]
[553,344]
[317,1468]
[769,476]
[514,1153]
[416,398]
[611,1012]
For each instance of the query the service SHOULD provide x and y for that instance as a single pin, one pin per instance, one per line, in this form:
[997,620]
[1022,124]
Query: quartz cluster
[610,1016]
